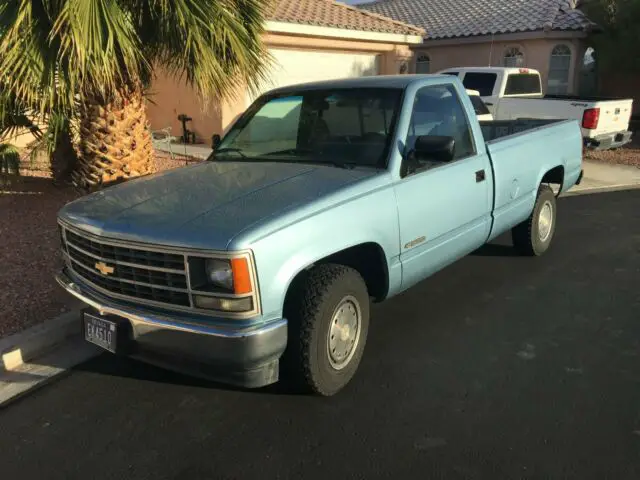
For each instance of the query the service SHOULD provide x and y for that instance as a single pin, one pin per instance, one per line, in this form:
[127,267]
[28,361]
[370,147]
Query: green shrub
[9,162]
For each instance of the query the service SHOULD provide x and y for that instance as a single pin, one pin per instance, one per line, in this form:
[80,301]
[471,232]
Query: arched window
[513,57]
[559,67]
[423,64]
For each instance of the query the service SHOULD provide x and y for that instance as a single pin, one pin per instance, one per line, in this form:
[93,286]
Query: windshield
[342,127]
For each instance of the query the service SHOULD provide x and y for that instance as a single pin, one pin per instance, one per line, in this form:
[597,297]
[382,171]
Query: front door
[444,208]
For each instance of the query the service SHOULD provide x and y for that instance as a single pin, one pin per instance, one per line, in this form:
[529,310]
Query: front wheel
[533,236]
[328,316]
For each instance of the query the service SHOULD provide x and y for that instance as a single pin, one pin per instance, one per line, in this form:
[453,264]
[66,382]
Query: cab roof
[377,81]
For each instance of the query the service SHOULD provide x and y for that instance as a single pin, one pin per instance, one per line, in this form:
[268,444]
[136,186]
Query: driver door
[444,208]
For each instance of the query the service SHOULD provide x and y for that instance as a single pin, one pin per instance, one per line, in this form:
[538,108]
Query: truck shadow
[124,367]
[495,250]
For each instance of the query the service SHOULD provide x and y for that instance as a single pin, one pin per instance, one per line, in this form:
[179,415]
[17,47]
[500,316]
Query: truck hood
[205,205]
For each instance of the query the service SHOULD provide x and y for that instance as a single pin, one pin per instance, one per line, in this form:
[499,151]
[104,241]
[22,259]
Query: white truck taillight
[590,118]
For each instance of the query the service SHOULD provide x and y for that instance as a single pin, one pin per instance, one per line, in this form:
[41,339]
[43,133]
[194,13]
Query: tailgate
[614,116]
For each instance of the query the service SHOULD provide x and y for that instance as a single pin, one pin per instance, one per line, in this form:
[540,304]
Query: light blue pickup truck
[261,262]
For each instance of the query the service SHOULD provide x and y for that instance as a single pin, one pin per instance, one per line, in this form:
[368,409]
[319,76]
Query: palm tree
[90,60]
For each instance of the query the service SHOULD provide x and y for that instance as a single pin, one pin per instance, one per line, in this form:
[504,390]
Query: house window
[423,64]
[559,66]
[513,57]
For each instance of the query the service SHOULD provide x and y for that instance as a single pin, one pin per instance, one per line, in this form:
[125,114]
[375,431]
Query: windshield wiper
[345,165]
[289,151]
[230,150]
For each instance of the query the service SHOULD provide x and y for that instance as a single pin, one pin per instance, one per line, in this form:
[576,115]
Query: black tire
[307,363]
[526,235]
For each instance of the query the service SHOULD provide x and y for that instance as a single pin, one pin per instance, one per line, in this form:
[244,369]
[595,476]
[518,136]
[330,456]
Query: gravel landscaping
[629,155]
[30,247]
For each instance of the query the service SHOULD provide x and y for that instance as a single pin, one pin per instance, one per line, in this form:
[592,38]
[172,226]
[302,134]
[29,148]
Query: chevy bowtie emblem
[104,269]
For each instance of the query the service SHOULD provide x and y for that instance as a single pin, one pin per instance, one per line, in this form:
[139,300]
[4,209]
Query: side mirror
[435,148]
[215,141]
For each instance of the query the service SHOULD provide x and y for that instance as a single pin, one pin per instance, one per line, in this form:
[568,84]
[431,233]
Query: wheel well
[367,259]
[555,175]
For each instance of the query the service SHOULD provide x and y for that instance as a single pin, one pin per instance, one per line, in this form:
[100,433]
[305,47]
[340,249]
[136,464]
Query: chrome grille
[149,275]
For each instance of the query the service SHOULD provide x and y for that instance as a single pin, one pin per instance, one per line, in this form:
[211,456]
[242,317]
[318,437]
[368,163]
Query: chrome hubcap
[344,332]
[545,221]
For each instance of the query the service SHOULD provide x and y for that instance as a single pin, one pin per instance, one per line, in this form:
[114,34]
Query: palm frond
[215,46]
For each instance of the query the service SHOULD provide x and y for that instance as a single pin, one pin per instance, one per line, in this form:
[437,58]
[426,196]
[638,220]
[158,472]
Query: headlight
[219,273]
[226,276]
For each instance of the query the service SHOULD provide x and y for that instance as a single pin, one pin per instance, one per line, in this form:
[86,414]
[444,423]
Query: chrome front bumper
[247,356]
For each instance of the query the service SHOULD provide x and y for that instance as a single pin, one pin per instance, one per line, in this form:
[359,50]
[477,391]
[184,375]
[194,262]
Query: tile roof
[328,13]
[464,18]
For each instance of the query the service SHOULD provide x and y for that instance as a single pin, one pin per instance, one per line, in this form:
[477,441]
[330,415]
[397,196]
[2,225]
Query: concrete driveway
[498,367]
[599,175]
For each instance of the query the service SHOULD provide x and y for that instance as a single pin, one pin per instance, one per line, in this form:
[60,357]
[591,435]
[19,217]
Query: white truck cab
[516,93]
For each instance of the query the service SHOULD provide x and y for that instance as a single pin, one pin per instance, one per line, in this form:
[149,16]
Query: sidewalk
[606,176]
[198,150]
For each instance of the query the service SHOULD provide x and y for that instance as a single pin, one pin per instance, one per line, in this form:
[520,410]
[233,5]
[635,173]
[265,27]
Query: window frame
[568,70]
[510,48]
[472,136]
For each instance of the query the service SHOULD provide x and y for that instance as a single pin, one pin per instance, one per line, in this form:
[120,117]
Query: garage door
[299,66]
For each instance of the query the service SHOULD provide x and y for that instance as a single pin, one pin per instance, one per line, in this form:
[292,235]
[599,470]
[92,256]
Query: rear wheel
[533,236]
[328,316]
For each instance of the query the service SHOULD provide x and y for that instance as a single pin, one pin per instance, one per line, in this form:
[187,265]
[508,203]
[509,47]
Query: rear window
[455,74]
[483,82]
[522,84]
[478,105]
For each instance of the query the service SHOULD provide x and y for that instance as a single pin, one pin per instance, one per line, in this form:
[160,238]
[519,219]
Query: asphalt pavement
[498,367]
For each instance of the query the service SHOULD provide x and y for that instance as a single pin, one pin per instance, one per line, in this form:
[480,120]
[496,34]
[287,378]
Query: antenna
[491,50]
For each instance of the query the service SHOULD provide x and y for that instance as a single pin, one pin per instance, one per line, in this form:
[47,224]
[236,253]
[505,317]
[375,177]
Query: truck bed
[521,151]
[573,98]
[494,129]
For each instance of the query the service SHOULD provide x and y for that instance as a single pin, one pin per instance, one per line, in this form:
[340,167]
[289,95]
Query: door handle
[480,176]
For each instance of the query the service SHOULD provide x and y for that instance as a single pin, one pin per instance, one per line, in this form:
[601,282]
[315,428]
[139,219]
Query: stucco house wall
[537,55]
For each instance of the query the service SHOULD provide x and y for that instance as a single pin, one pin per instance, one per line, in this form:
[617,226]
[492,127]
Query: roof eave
[305,29]
[509,37]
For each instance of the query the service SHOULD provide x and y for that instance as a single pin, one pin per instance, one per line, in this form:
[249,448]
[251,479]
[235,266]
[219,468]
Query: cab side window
[438,111]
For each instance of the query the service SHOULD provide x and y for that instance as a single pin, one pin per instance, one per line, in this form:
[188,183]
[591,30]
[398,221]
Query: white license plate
[100,331]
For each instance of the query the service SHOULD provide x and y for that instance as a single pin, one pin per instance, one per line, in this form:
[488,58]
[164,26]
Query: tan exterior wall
[173,97]
[537,53]
[170,97]
[21,140]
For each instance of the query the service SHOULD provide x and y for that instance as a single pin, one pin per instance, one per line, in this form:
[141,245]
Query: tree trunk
[63,159]
[115,142]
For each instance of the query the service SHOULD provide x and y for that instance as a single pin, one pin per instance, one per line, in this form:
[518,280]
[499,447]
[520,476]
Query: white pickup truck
[516,93]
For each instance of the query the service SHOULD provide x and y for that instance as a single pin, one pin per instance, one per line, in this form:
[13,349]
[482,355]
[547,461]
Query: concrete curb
[18,349]
[32,358]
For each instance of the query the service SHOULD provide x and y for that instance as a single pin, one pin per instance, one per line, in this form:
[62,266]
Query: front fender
[281,256]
